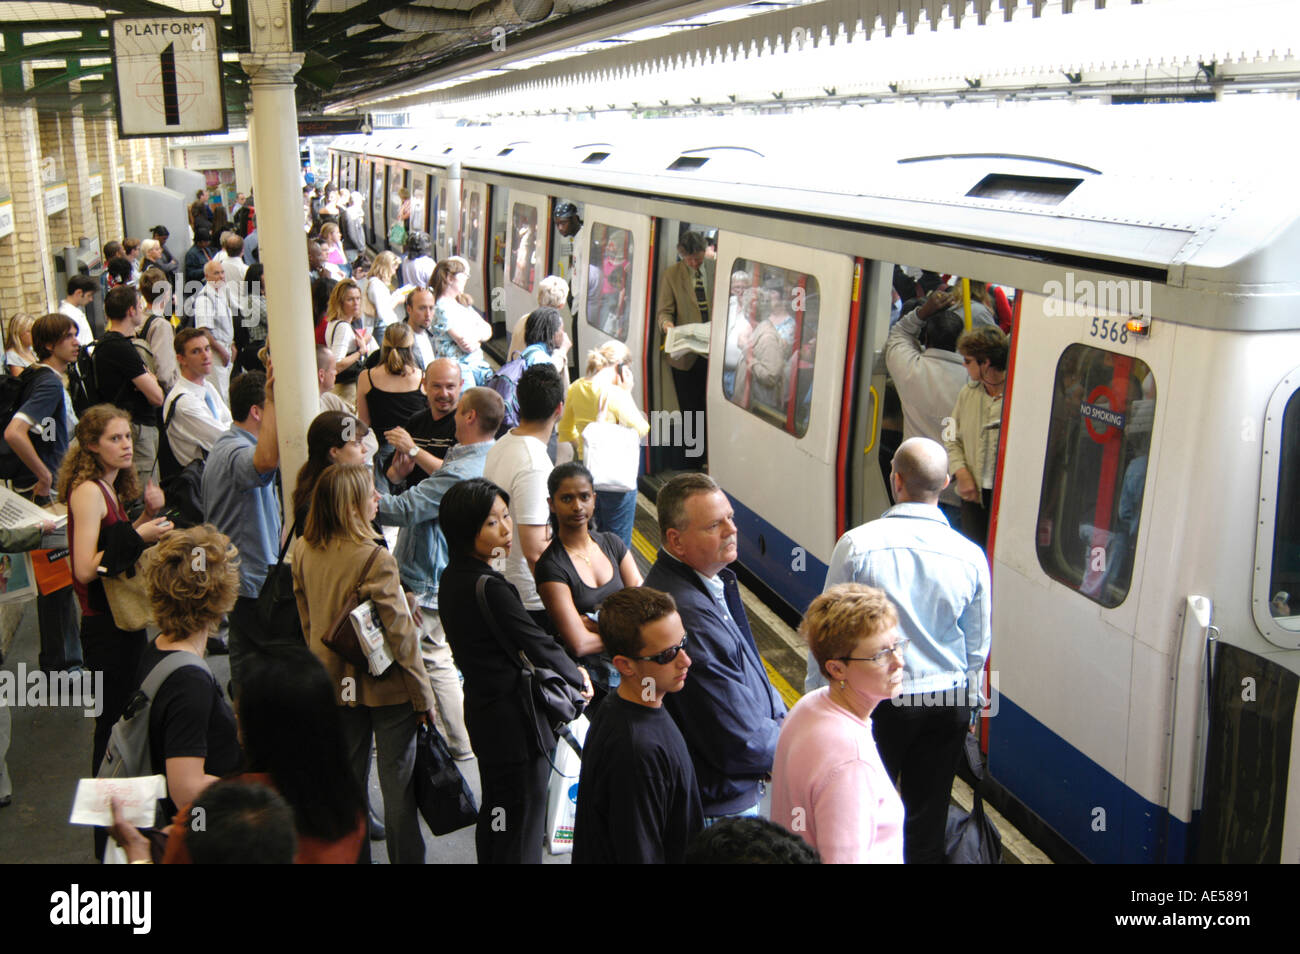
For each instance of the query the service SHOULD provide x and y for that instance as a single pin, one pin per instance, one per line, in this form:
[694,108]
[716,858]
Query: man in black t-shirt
[122,378]
[430,433]
[638,801]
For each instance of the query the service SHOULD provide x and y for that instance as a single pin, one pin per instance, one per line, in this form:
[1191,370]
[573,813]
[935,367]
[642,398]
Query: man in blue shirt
[38,434]
[728,712]
[421,550]
[939,582]
[239,499]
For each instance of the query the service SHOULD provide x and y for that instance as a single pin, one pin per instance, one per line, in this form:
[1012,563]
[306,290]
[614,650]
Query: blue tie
[211,407]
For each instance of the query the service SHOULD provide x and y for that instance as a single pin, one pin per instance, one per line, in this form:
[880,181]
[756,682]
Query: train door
[776,375]
[419,210]
[364,178]
[613,253]
[493,304]
[562,249]
[399,185]
[378,229]
[526,255]
[441,234]
[470,238]
[1069,545]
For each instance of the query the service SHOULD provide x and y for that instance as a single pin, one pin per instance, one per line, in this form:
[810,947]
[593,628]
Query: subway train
[1145,531]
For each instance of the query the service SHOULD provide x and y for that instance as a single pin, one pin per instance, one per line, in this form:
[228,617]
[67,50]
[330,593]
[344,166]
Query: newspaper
[687,339]
[17,512]
[370,633]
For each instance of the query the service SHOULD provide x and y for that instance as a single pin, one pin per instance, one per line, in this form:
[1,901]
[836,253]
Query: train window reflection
[1094,475]
[609,273]
[523,226]
[1284,576]
[767,366]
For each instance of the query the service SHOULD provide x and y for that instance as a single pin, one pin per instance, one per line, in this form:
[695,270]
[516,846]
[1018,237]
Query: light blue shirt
[939,583]
[421,550]
[242,504]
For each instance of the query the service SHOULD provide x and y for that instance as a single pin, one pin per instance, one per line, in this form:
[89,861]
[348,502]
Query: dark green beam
[146,8]
[82,46]
[340,22]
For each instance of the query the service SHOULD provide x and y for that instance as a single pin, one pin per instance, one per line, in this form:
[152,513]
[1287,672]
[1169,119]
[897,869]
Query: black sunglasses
[665,657]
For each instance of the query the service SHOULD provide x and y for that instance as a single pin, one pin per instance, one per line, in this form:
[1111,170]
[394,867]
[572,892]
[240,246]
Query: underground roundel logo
[1099,416]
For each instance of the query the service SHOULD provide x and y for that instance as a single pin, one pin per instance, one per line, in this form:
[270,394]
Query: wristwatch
[413,453]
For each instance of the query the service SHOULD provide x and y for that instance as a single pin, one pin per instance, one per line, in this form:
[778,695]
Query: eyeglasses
[665,657]
[879,657]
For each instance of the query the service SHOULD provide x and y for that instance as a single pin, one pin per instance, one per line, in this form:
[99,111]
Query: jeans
[394,730]
[445,679]
[57,619]
[616,513]
[512,818]
[710,820]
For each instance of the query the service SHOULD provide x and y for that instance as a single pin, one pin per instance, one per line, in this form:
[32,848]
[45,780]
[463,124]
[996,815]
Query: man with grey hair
[552,292]
[728,711]
[939,582]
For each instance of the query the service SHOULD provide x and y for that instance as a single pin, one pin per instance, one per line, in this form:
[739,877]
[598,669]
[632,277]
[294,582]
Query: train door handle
[875,425]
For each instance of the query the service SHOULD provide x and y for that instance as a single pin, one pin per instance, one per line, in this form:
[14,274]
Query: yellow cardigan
[583,403]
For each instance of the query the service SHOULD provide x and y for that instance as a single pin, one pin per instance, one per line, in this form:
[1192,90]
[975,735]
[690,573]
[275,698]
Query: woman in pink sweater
[828,784]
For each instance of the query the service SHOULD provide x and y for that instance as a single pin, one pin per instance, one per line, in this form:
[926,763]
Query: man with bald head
[939,582]
[212,311]
[428,435]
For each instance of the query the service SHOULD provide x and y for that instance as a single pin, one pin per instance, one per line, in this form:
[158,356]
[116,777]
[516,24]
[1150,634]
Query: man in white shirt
[157,329]
[194,413]
[419,315]
[81,292]
[519,465]
[212,311]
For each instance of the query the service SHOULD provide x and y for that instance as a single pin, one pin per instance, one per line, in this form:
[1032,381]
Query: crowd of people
[503,561]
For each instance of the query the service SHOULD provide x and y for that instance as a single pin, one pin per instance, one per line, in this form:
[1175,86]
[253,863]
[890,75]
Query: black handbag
[972,838]
[549,699]
[277,608]
[441,792]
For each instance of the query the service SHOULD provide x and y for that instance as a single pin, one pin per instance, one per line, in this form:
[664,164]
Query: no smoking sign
[168,72]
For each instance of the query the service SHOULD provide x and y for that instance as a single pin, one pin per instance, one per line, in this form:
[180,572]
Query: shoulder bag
[277,607]
[128,596]
[550,701]
[342,635]
[611,452]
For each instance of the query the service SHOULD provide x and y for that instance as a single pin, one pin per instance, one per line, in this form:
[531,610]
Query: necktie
[701,295]
[211,407]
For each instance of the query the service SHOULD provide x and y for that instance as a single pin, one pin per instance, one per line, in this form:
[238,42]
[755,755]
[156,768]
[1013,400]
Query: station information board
[168,72]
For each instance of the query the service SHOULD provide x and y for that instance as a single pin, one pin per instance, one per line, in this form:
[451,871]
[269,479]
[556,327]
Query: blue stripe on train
[793,574]
[1065,788]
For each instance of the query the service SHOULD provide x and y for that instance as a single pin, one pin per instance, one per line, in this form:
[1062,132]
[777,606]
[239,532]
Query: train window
[378,194]
[523,226]
[609,272]
[1094,475]
[767,367]
[418,222]
[1284,574]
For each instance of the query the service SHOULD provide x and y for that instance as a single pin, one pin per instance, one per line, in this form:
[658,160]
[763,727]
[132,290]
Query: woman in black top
[390,394]
[513,769]
[579,569]
[193,580]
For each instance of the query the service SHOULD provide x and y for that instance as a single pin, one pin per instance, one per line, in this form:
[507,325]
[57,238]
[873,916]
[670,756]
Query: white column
[283,249]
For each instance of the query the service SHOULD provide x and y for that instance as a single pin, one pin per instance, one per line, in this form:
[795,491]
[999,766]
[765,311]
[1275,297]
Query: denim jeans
[616,513]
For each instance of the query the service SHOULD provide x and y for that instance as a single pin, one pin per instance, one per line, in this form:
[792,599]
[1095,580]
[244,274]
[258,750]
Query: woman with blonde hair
[377,294]
[605,393]
[336,555]
[97,480]
[828,782]
[389,394]
[457,330]
[347,337]
[331,238]
[18,343]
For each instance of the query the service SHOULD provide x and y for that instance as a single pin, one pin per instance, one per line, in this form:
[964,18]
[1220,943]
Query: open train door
[527,235]
[611,287]
[471,239]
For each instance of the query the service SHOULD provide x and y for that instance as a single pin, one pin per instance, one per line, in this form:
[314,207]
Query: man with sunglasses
[939,582]
[638,800]
[728,713]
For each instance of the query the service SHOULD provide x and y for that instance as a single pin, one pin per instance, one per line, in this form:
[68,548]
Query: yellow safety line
[783,688]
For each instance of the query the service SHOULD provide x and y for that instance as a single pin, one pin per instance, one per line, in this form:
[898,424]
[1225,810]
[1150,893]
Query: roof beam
[340,22]
[86,45]
[145,8]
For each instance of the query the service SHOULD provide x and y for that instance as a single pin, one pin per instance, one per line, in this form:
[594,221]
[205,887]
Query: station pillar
[26,268]
[283,249]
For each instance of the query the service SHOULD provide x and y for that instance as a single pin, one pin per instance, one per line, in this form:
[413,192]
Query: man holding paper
[683,300]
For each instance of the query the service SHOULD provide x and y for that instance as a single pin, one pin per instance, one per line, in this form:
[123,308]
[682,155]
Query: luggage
[971,838]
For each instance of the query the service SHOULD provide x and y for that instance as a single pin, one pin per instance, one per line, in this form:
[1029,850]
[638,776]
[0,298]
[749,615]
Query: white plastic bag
[562,791]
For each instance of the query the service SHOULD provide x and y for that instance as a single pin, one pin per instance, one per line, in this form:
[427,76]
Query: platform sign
[6,217]
[56,199]
[168,72]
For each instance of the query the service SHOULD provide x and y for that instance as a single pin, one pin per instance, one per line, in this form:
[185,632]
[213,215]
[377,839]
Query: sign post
[168,72]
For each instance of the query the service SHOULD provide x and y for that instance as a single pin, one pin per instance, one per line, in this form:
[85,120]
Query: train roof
[1200,194]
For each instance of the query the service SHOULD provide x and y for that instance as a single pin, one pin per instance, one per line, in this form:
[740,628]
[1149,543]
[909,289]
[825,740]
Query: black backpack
[13,392]
[182,486]
[506,382]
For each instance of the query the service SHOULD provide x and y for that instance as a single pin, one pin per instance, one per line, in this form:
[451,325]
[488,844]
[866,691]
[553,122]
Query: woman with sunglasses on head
[579,569]
[513,761]
[828,782]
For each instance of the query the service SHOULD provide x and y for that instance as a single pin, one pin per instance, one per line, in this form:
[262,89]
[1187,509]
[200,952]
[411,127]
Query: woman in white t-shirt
[18,343]
[458,331]
[378,297]
[347,338]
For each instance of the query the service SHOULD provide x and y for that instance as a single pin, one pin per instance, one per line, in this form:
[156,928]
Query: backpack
[128,754]
[182,486]
[144,349]
[13,392]
[506,382]
[81,381]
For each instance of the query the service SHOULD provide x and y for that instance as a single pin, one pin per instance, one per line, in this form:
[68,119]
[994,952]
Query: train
[1144,539]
